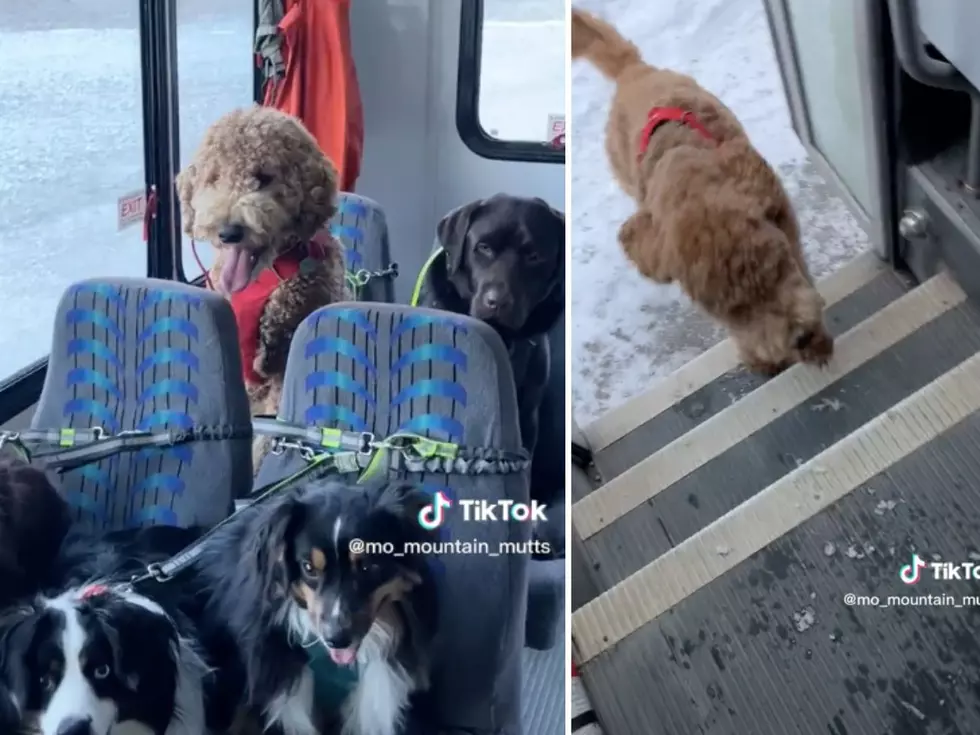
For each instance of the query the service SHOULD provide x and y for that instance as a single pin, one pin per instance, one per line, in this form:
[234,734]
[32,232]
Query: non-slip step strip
[712,364]
[775,398]
[781,507]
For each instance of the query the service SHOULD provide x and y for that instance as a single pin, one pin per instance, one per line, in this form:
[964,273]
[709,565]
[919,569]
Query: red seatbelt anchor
[150,213]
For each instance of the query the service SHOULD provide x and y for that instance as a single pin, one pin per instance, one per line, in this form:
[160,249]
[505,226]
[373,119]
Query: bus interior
[461,100]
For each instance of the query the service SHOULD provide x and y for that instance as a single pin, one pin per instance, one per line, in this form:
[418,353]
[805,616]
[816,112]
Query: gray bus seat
[153,355]
[544,673]
[546,594]
[362,229]
[382,369]
[548,468]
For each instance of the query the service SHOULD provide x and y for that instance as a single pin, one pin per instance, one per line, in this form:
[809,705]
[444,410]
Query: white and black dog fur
[284,578]
[84,657]
[103,660]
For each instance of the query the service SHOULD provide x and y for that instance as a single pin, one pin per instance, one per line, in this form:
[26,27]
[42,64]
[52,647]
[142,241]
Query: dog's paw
[767,369]
[819,350]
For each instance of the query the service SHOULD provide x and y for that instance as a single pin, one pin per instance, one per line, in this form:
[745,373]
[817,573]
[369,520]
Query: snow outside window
[522,70]
[215,68]
[72,130]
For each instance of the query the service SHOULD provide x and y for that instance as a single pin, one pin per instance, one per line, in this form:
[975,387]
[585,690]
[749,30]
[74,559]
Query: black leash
[165,571]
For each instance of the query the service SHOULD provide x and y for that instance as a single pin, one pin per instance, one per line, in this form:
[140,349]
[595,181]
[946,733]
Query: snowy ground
[627,332]
[71,127]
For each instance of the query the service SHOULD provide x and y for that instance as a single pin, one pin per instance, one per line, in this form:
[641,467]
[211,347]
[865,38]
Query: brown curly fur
[260,168]
[712,215]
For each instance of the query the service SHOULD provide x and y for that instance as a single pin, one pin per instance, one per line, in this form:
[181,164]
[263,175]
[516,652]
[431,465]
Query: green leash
[417,291]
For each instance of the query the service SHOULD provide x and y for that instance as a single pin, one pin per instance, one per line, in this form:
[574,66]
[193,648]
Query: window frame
[158,61]
[468,124]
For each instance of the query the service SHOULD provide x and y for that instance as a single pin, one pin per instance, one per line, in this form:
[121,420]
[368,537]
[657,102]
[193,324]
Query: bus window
[72,176]
[215,68]
[512,79]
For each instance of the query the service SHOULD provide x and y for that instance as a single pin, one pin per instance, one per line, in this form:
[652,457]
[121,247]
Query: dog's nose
[340,639]
[494,298]
[75,726]
[231,234]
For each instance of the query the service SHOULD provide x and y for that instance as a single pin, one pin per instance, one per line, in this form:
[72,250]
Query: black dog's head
[505,261]
[340,557]
[95,657]
[34,521]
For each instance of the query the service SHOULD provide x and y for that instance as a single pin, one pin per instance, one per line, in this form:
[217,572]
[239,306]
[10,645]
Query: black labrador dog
[504,263]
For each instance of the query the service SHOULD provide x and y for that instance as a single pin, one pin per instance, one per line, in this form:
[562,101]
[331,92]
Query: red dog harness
[660,115]
[249,303]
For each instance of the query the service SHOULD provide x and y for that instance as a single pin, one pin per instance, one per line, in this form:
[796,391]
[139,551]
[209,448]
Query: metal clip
[363,276]
[281,445]
[155,570]
[367,443]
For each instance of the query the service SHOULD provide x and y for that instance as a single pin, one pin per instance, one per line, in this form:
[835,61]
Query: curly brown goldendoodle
[260,190]
[711,213]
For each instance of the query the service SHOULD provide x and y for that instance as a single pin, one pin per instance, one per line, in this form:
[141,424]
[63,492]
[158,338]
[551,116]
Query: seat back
[548,470]
[384,368]
[362,229]
[151,355]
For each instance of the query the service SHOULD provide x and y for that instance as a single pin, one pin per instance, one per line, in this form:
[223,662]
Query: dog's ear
[185,193]
[320,182]
[544,316]
[265,552]
[10,718]
[18,627]
[452,230]
[403,502]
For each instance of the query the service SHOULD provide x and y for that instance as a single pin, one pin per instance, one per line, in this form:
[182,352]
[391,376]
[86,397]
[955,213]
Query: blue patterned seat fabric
[384,368]
[149,355]
[362,229]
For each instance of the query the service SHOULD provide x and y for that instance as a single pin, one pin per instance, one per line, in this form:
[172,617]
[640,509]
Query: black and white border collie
[103,660]
[94,658]
[284,576]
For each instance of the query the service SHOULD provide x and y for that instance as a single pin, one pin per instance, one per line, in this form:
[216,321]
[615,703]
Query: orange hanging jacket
[320,83]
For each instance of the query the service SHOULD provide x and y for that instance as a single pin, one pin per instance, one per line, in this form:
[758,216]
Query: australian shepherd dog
[83,652]
[333,566]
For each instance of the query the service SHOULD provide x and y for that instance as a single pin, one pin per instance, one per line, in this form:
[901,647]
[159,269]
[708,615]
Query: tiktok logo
[433,515]
[912,573]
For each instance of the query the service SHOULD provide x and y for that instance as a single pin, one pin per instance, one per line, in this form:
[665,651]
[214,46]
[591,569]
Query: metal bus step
[714,380]
[672,494]
[722,560]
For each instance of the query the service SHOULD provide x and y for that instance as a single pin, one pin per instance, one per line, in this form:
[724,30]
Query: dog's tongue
[236,271]
[343,656]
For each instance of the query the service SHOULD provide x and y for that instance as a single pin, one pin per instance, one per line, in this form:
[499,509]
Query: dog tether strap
[345,452]
[360,278]
[420,281]
[79,447]
[400,451]
[167,570]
